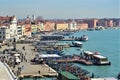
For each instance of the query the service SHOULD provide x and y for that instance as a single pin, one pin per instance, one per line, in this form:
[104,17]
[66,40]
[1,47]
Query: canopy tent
[16,55]
[48,56]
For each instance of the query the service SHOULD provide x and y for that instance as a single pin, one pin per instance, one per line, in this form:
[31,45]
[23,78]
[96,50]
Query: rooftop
[68,75]
[99,56]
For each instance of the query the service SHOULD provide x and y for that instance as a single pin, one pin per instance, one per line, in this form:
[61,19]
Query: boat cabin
[101,60]
[77,44]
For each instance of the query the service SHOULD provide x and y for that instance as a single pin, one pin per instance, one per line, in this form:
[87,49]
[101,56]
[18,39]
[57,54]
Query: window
[3,32]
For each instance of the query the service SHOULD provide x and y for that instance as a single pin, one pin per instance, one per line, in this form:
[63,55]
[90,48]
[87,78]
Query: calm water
[107,43]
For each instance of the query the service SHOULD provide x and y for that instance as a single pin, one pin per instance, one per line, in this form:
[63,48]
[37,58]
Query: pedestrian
[25,53]
[39,72]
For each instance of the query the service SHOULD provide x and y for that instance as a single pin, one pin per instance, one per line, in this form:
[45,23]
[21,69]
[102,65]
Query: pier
[81,61]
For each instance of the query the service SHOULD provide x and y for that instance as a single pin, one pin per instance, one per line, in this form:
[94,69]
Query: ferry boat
[96,58]
[101,60]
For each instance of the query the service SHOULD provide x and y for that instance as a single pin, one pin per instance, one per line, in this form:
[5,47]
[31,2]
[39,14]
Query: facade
[4,33]
[110,23]
[40,26]
[49,26]
[27,30]
[19,31]
[92,23]
[61,26]
[34,29]
[82,26]
[13,28]
[72,25]
[102,22]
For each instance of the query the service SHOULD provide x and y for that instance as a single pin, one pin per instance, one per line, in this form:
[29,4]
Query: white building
[72,25]
[19,31]
[13,27]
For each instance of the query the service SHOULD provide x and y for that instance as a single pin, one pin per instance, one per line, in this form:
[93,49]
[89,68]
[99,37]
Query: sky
[62,9]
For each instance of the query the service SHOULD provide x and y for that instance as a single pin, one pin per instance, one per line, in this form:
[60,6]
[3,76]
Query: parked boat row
[62,38]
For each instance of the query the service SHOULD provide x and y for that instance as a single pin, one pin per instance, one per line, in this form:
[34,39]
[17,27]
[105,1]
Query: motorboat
[84,38]
[76,44]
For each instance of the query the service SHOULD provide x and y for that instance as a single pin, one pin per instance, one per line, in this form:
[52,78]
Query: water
[107,43]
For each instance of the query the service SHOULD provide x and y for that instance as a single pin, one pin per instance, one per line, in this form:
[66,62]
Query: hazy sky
[61,8]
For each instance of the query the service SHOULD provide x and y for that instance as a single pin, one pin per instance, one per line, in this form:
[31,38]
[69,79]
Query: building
[72,25]
[40,26]
[110,23]
[92,23]
[13,27]
[61,26]
[102,22]
[19,31]
[4,33]
[49,26]
[26,30]
[82,26]
[34,29]
[8,27]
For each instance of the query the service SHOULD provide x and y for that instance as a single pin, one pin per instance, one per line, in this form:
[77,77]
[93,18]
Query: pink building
[49,26]
[82,26]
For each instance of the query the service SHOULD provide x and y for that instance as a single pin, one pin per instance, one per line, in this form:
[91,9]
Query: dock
[82,61]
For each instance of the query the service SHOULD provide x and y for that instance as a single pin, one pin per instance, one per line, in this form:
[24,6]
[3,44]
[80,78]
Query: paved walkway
[31,69]
[4,73]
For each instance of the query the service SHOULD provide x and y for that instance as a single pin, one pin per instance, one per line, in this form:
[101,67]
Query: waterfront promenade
[26,68]
[29,69]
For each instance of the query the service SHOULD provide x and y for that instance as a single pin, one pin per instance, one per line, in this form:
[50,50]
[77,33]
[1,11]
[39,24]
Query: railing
[10,71]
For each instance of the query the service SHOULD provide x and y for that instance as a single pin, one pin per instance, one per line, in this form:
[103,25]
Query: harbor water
[107,42]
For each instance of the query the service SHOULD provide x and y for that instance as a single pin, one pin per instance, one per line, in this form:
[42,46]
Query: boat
[96,58]
[76,44]
[55,52]
[118,76]
[101,60]
[82,38]
[99,28]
